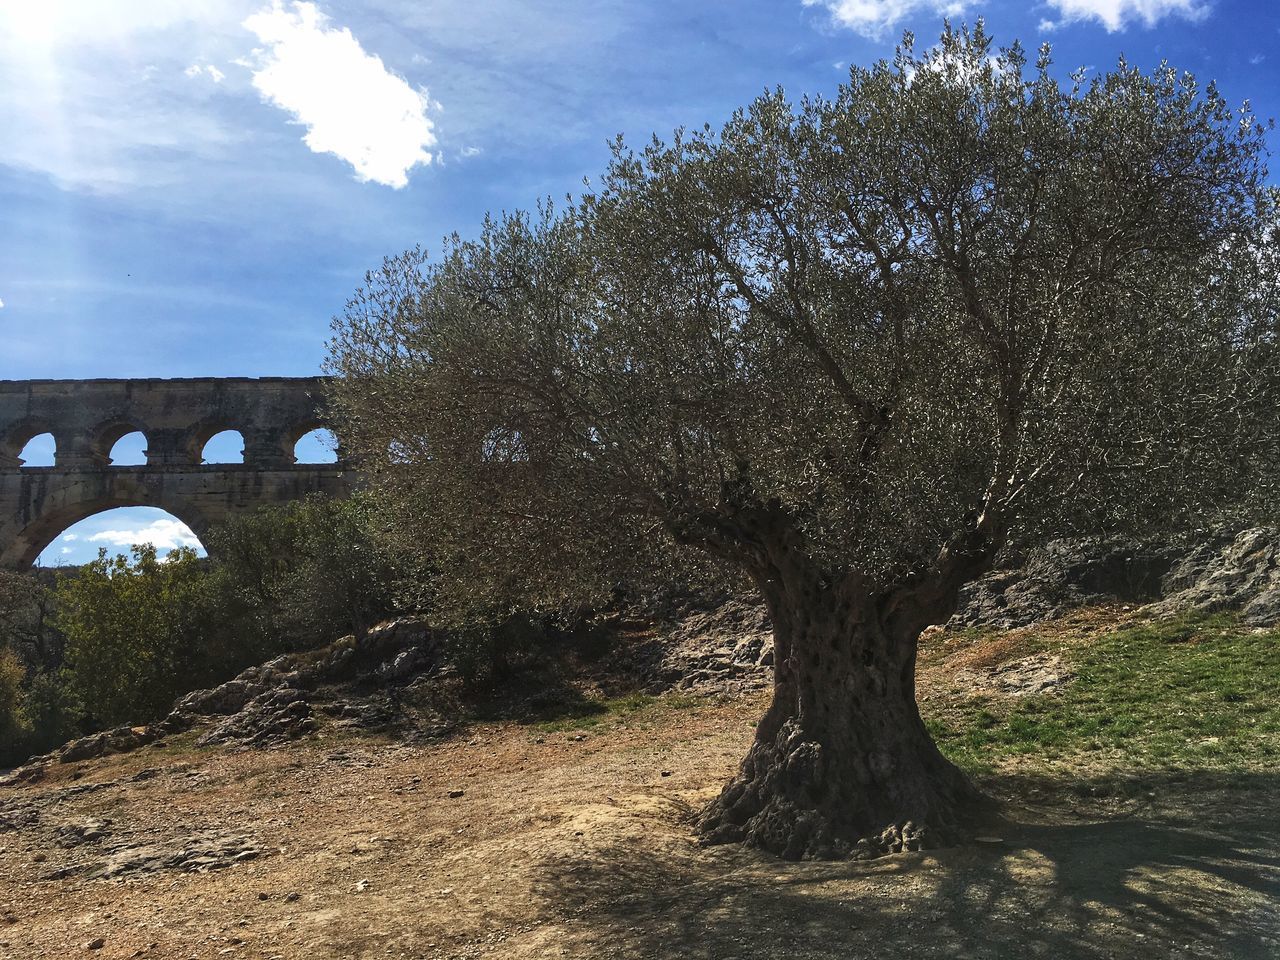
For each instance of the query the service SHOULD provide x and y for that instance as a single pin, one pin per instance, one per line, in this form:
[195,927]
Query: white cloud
[1,304]
[1116,14]
[350,103]
[873,18]
[68,537]
[162,534]
[208,70]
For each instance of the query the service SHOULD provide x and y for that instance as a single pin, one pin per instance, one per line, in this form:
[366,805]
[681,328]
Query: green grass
[1193,692]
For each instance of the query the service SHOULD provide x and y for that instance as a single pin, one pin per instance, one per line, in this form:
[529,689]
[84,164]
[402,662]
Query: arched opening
[130,450]
[117,530]
[120,443]
[39,451]
[318,446]
[226,446]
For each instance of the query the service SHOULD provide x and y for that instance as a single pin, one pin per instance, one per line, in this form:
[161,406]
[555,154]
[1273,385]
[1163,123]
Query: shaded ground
[568,839]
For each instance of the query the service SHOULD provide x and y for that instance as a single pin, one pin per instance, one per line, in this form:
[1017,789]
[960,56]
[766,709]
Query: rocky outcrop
[1039,673]
[1236,571]
[730,643]
[271,717]
[278,701]
[1063,576]
[712,647]
[198,853]
[1241,573]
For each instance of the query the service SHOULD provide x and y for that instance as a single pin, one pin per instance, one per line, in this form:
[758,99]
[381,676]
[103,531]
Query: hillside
[564,830]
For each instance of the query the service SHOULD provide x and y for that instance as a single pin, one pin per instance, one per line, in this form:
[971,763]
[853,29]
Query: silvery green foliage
[958,303]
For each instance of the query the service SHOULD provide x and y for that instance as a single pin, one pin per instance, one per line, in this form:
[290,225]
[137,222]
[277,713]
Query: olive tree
[853,347]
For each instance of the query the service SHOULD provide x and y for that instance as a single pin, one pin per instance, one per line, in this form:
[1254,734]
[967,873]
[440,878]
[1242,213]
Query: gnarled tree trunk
[842,764]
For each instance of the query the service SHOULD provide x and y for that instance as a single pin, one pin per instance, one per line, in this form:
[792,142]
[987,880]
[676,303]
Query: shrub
[299,574]
[134,628]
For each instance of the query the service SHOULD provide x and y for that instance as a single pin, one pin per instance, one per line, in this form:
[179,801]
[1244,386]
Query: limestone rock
[1242,573]
[729,644]
[87,831]
[272,717]
[1062,576]
[1039,673]
[1220,571]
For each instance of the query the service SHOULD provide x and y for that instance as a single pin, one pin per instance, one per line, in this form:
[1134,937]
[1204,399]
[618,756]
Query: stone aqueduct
[177,417]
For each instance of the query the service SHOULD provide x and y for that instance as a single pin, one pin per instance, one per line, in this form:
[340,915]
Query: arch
[57,517]
[129,450]
[222,446]
[18,435]
[40,451]
[104,437]
[118,529]
[317,445]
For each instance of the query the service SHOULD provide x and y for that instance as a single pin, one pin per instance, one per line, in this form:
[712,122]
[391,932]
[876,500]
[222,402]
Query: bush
[300,574]
[26,624]
[135,628]
[53,714]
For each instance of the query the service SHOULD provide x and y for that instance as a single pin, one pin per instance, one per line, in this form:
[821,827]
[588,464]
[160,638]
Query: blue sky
[194,187]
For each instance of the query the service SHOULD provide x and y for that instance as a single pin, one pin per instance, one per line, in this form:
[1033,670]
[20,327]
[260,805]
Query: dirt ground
[573,844]
[528,841]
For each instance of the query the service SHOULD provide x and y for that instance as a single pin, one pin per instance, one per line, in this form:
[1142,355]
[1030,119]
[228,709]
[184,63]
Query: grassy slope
[1199,692]
[1196,692]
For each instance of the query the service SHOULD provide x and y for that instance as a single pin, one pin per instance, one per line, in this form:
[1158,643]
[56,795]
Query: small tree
[854,347]
[12,720]
[134,627]
[26,621]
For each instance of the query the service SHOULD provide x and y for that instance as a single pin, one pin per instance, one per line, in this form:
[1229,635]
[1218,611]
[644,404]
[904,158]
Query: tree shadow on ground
[1193,879]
